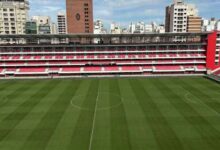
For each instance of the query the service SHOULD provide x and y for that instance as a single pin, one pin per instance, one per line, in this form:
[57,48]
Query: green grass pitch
[110,114]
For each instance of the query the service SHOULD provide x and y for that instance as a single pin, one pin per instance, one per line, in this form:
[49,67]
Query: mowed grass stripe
[164,134]
[21,132]
[62,135]
[41,135]
[102,131]
[9,89]
[9,123]
[200,106]
[208,86]
[15,95]
[179,124]
[141,135]
[81,135]
[209,83]
[203,95]
[120,138]
[4,85]
[203,127]
[184,129]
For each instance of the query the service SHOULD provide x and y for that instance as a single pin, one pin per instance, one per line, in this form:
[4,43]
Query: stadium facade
[114,55]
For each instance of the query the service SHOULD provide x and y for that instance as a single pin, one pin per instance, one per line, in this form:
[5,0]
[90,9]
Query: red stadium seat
[130,68]
[71,69]
[32,70]
[92,69]
[168,67]
[111,68]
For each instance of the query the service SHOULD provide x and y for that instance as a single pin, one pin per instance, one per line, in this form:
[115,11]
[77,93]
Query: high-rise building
[44,25]
[210,25]
[99,27]
[41,19]
[31,27]
[13,16]
[61,23]
[177,17]
[79,16]
[41,22]
[115,28]
[44,29]
[194,24]
[182,17]
[167,19]
[131,27]
[139,27]
[53,28]
[217,25]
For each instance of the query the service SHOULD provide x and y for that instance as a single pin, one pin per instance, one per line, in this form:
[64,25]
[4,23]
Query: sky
[124,12]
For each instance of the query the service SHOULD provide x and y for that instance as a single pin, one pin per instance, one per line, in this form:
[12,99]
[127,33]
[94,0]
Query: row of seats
[110,56]
[101,69]
[96,50]
[100,63]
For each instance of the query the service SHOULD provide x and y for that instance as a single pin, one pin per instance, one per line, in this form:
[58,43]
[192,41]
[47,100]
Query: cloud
[125,11]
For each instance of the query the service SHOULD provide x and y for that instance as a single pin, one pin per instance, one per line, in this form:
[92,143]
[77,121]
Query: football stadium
[84,90]
[150,91]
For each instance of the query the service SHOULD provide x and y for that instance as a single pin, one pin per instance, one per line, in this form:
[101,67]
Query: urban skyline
[125,12]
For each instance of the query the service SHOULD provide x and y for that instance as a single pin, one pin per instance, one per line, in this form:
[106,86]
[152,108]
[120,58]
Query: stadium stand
[183,58]
[31,62]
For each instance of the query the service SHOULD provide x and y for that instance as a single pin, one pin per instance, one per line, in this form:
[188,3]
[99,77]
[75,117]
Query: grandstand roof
[44,36]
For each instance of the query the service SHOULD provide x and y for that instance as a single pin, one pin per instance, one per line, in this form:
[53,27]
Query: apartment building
[13,16]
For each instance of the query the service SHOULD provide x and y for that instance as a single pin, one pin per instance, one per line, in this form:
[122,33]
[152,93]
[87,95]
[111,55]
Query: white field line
[93,123]
[189,99]
[98,108]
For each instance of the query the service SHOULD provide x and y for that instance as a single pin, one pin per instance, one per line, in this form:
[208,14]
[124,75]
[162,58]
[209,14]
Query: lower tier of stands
[102,70]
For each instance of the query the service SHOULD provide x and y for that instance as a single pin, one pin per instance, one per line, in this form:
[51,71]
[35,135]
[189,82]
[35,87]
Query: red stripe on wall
[211,49]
